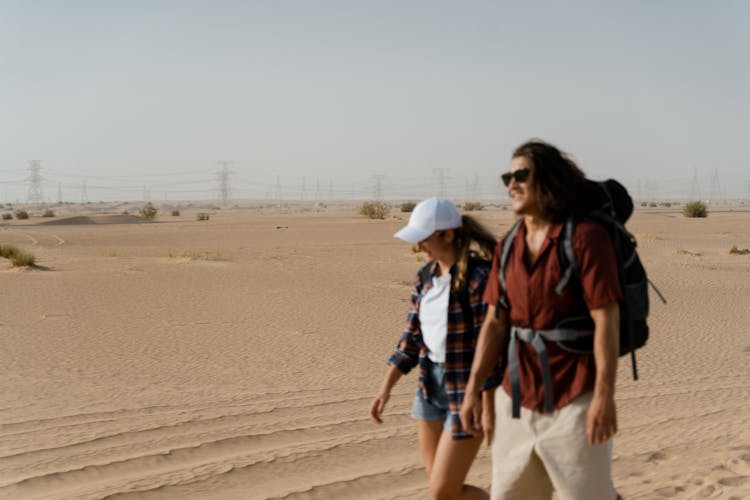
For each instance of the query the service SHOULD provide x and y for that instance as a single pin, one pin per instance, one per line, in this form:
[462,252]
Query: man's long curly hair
[555,178]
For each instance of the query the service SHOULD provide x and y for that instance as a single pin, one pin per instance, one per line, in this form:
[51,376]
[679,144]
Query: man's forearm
[606,348]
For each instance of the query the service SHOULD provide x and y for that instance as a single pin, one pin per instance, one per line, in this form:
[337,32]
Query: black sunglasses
[520,175]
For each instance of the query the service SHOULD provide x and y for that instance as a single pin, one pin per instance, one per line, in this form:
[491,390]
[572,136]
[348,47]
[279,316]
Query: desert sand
[236,358]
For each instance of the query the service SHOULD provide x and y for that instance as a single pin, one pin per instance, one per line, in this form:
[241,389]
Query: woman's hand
[378,405]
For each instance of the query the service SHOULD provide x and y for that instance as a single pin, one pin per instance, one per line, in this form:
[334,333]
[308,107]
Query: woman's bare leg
[452,462]
[429,436]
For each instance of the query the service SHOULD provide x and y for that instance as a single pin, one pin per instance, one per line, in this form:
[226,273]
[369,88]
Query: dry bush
[408,206]
[202,216]
[22,214]
[17,257]
[695,209]
[48,213]
[735,250]
[7,216]
[470,206]
[374,209]
[148,211]
[175,213]
[682,251]
[190,255]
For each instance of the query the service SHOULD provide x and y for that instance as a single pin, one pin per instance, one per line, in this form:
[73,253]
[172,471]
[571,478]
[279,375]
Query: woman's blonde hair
[472,240]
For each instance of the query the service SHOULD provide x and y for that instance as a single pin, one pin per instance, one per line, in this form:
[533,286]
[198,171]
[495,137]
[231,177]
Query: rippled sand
[236,358]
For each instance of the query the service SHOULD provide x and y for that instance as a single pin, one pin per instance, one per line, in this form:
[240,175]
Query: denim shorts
[437,407]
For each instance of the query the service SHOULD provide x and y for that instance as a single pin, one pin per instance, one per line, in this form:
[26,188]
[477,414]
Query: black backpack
[609,204]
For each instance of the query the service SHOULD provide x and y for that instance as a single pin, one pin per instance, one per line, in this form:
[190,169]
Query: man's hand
[601,419]
[471,413]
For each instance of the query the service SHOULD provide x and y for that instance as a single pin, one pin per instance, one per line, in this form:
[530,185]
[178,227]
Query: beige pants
[540,452]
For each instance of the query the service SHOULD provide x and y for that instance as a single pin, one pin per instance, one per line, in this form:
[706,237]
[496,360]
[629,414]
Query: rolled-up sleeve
[406,355]
[598,265]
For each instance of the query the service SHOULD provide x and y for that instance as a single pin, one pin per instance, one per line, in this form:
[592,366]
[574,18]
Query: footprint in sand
[706,492]
[670,491]
[734,480]
[656,457]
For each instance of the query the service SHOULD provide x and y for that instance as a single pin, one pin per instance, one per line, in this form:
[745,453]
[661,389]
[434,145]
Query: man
[563,402]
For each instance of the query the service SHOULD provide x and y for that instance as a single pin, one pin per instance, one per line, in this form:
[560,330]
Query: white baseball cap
[430,215]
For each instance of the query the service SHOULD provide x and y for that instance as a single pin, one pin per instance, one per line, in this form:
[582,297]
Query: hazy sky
[128,96]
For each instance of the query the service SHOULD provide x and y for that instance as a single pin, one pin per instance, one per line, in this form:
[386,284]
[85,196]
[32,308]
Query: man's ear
[449,235]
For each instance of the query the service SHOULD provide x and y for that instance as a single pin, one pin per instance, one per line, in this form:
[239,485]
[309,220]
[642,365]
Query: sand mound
[95,219]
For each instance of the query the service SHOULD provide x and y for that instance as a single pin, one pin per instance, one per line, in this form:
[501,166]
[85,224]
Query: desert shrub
[175,213]
[124,212]
[189,255]
[148,211]
[644,204]
[695,209]
[202,216]
[374,209]
[666,204]
[7,216]
[6,251]
[735,250]
[408,206]
[17,257]
[470,206]
[48,213]
[653,204]
[22,214]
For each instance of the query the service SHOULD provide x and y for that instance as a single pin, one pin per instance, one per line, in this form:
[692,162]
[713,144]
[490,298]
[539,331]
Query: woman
[442,326]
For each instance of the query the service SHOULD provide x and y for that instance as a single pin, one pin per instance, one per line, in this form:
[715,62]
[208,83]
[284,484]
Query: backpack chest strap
[536,338]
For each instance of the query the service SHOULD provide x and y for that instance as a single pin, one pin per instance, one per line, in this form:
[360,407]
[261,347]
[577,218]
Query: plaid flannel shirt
[460,343]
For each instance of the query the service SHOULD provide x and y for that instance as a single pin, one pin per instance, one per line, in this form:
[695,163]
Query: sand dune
[95,219]
[236,358]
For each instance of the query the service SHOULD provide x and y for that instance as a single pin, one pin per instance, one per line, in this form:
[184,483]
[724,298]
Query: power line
[440,174]
[695,187]
[378,186]
[223,175]
[715,187]
[35,182]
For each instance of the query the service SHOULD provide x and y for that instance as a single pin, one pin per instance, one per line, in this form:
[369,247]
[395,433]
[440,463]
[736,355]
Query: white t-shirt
[433,317]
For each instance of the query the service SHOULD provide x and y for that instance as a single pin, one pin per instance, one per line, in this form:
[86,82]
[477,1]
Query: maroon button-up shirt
[533,303]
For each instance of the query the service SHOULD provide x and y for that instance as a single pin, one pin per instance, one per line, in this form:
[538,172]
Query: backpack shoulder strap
[567,256]
[507,247]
